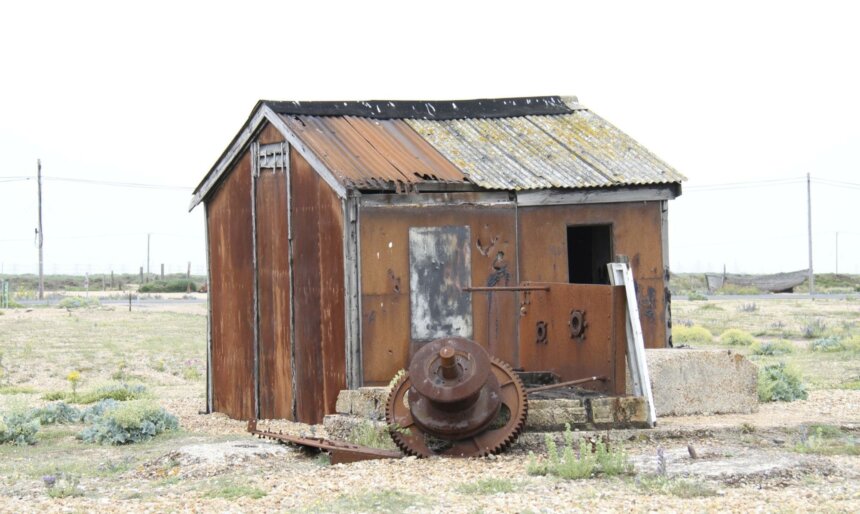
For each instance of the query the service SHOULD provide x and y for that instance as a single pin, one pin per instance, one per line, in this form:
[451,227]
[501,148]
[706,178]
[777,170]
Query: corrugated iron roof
[514,143]
[502,144]
[373,154]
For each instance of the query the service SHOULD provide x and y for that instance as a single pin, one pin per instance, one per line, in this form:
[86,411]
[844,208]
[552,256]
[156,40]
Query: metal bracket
[542,333]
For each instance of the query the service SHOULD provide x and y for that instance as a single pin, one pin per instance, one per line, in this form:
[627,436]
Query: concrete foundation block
[365,402]
[690,381]
[551,415]
[343,405]
[618,411]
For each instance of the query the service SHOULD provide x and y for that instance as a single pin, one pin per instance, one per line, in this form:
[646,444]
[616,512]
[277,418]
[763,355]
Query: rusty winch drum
[456,400]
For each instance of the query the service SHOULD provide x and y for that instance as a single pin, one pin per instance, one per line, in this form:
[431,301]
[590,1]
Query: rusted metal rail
[505,288]
[566,384]
[341,452]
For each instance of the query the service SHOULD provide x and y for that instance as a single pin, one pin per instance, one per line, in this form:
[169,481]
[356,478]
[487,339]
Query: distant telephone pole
[809,220]
[837,253]
[147,256]
[39,238]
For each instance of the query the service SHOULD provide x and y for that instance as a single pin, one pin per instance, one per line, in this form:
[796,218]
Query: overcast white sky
[152,93]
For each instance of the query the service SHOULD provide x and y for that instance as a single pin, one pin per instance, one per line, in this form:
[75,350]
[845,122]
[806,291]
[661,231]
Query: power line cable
[744,185]
[135,185]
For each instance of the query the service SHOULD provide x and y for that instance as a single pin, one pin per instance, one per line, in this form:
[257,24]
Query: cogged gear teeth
[411,439]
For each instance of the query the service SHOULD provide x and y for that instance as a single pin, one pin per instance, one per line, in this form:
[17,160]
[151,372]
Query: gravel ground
[750,470]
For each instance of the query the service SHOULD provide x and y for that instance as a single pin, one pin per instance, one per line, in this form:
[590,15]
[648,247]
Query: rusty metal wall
[273,296]
[636,232]
[548,344]
[231,292]
[385,289]
[318,270]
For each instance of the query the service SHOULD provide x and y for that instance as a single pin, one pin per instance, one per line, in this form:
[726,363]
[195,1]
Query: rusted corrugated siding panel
[273,296]
[310,402]
[636,234]
[332,298]
[595,353]
[385,288]
[318,270]
[231,293]
[370,154]
[575,150]
[406,150]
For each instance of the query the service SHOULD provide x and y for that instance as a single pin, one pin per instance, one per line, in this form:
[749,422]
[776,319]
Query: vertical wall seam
[209,380]
[285,149]
[255,172]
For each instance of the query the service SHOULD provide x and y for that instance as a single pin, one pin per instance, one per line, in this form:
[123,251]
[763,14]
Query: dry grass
[786,321]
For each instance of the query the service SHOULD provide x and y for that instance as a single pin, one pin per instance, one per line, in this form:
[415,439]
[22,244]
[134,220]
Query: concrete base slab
[687,381]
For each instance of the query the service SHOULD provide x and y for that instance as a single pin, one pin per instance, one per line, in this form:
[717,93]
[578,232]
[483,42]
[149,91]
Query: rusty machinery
[456,401]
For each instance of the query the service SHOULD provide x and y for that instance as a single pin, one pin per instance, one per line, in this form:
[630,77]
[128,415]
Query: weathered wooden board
[273,296]
[231,293]
[318,273]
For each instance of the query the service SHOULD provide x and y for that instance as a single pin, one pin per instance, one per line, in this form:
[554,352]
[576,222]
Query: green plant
[387,501]
[232,491]
[580,463]
[748,307]
[52,413]
[780,383]
[813,328]
[17,390]
[487,486]
[852,344]
[675,487]
[733,289]
[62,485]
[827,345]
[77,302]
[694,334]
[74,377]
[18,428]
[772,348]
[826,440]
[373,435]
[696,297]
[128,422]
[191,373]
[736,337]
[169,286]
[852,385]
[121,391]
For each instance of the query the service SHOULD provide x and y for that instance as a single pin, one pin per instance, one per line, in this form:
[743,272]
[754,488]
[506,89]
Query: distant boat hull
[775,283]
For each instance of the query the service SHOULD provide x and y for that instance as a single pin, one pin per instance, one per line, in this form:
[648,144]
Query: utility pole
[147,256]
[40,238]
[837,253]
[809,220]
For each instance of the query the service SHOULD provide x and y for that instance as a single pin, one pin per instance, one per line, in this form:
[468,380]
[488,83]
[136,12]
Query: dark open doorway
[589,249]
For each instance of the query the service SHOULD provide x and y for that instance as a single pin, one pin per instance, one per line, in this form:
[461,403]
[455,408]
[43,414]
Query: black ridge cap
[428,110]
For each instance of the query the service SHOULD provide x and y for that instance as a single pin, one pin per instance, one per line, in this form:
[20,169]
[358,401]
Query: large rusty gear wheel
[501,433]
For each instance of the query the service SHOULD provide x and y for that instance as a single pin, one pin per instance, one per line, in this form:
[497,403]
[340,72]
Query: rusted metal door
[575,331]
